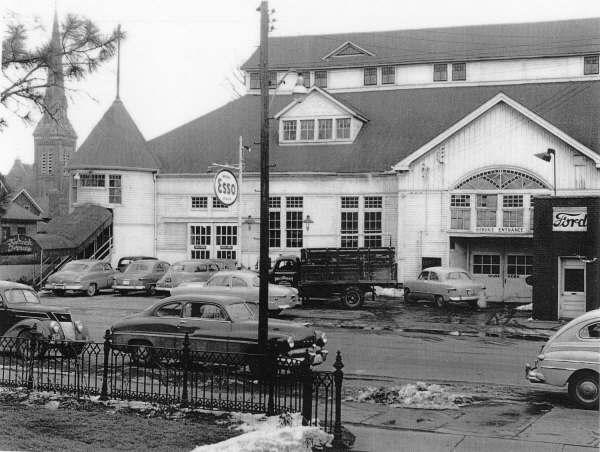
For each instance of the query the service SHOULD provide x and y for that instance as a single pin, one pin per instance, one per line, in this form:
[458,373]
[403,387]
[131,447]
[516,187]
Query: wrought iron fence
[211,380]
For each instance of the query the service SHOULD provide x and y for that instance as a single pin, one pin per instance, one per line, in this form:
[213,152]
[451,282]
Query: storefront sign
[17,244]
[569,219]
[226,187]
[502,230]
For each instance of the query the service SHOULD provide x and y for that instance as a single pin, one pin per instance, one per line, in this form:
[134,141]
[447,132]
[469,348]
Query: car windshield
[240,311]
[458,275]
[21,296]
[218,280]
[75,267]
[137,267]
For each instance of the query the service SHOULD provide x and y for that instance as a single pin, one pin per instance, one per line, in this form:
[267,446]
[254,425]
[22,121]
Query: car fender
[41,326]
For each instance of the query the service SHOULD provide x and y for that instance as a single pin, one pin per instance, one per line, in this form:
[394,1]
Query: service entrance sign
[569,219]
[226,187]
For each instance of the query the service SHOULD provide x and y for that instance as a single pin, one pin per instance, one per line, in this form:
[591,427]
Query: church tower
[54,136]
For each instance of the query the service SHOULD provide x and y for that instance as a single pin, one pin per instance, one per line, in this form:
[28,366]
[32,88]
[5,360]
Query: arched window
[501,179]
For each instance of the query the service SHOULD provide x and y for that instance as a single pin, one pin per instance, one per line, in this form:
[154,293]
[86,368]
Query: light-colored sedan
[243,284]
[85,275]
[140,275]
[572,356]
[443,284]
[181,272]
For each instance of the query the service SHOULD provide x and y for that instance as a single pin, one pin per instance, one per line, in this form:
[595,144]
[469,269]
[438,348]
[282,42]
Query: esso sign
[226,187]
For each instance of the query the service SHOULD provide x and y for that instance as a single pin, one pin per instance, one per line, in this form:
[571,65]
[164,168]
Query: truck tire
[353,297]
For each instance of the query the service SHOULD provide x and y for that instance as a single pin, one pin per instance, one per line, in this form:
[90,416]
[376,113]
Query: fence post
[185,363]
[338,377]
[307,390]
[104,391]
[32,351]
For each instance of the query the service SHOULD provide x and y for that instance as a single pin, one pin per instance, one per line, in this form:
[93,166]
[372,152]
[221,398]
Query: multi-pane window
[273,79]
[325,129]
[373,202]
[590,65]
[275,229]
[114,189]
[519,265]
[47,163]
[388,75]
[274,202]
[512,211]
[370,76]
[293,221]
[486,264]
[349,222]
[5,233]
[289,130]
[440,72]
[372,221]
[321,79]
[254,80]
[305,78]
[486,210]
[459,71]
[217,204]
[342,128]
[307,129]
[460,212]
[199,236]
[199,202]
[226,235]
[92,180]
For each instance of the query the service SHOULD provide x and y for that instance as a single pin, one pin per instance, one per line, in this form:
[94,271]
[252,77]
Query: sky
[179,54]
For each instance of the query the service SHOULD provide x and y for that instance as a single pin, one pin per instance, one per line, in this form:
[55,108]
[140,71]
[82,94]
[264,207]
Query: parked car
[85,275]
[22,315]
[214,323]
[243,284]
[572,357]
[125,261]
[191,271]
[140,275]
[442,285]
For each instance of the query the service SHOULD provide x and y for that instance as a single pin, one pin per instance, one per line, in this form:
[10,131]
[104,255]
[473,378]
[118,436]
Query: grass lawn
[83,425]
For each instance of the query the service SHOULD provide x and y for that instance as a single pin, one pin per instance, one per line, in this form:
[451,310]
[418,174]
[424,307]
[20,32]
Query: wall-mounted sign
[226,187]
[569,219]
[502,230]
[17,244]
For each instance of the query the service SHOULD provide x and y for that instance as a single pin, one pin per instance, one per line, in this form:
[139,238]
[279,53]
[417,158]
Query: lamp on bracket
[249,220]
[549,155]
[307,222]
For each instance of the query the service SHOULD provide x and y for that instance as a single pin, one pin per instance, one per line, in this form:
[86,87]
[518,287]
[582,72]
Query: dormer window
[370,76]
[321,79]
[388,75]
[440,72]
[342,128]
[459,71]
[254,80]
[325,129]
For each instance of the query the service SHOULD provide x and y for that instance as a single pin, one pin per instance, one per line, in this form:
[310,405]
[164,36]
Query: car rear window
[137,267]
[459,275]
[20,296]
[75,267]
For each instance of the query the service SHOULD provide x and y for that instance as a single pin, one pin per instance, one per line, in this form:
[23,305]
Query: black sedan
[214,323]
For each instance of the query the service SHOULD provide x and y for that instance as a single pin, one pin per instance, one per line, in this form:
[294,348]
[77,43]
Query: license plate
[126,282]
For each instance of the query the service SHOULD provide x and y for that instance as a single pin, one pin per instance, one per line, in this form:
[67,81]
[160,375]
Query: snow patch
[389,292]
[525,307]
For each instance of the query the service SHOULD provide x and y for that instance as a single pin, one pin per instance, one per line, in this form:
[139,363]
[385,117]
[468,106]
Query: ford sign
[569,219]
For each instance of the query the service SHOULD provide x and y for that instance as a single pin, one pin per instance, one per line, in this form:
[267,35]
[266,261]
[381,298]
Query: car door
[95,275]
[434,285]
[419,284]
[108,275]
[208,326]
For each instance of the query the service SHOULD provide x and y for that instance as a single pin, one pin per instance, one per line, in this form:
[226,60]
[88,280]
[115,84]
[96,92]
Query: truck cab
[286,271]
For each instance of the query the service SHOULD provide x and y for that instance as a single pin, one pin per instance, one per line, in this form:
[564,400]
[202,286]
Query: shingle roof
[400,121]
[115,142]
[538,39]
[74,229]
[15,212]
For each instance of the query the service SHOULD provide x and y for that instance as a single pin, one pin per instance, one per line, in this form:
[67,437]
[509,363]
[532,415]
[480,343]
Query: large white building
[423,140]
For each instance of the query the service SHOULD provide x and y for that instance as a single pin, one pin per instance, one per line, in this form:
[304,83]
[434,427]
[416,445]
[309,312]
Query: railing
[103,251]
[55,263]
[210,380]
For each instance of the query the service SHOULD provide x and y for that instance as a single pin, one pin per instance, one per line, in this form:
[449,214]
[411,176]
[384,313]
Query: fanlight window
[501,179]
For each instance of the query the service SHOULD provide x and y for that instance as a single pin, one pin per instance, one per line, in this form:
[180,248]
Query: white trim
[404,164]
[26,193]
[329,97]
[341,46]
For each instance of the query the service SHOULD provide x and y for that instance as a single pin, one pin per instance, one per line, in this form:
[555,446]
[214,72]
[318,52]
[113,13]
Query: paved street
[509,408]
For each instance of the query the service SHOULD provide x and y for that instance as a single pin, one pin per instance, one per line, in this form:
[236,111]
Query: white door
[226,241]
[571,288]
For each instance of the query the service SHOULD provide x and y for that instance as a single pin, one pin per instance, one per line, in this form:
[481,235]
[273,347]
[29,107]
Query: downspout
[154,175]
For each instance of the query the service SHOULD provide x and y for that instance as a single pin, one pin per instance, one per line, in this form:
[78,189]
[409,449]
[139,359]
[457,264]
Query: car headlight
[78,325]
[323,338]
[320,339]
[290,341]
[54,326]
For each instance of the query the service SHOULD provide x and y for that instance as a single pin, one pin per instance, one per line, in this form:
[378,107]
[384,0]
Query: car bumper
[163,289]
[533,374]
[316,355]
[464,298]
[72,286]
[127,287]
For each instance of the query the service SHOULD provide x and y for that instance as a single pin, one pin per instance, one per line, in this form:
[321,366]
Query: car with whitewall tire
[84,275]
[571,357]
[140,276]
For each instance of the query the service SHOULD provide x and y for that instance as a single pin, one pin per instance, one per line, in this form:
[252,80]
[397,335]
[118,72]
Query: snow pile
[389,292]
[419,395]
[263,433]
[525,307]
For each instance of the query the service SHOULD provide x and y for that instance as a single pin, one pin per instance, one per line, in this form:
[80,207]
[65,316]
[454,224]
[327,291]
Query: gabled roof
[347,49]
[315,89]
[24,192]
[400,122]
[15,212]
[475,42]
[114,143]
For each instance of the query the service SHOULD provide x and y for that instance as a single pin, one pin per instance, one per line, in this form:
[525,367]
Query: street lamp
[550,154]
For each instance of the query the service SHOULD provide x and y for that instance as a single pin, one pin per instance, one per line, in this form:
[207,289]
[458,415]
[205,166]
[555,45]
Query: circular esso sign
[226,187]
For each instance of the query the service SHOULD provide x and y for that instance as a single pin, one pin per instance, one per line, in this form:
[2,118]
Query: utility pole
[263,291]
[240,185]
